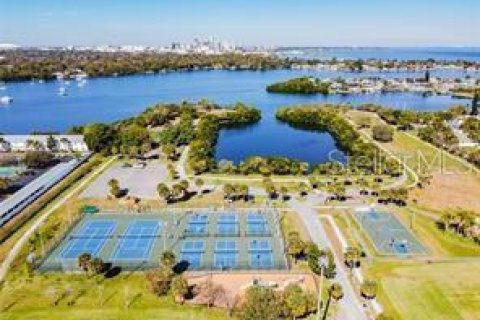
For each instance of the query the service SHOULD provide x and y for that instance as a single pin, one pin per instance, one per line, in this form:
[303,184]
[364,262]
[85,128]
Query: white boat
[62,91]
[82,83]
[6,100]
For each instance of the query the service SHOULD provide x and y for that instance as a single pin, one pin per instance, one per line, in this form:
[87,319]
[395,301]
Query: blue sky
[269,22]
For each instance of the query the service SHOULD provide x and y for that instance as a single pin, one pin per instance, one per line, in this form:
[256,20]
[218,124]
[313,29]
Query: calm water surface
[39,107]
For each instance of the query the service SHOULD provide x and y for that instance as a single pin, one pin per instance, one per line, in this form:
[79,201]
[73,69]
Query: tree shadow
[181,267]
[112,272]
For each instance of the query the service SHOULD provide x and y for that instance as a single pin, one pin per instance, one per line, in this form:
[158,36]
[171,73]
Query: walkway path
[30,231]
[350,307]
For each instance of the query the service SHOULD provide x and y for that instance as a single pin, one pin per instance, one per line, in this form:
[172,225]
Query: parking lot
[138,182]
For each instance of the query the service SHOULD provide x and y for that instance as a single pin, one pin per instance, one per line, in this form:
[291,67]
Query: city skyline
[266,23]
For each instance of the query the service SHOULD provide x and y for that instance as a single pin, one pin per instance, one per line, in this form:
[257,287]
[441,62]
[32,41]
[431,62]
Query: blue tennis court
[192,252]
[260,254]
[197,224]
[90,238]
[387,233]
[226,253]
[227,225]
[136,242]
[257,224]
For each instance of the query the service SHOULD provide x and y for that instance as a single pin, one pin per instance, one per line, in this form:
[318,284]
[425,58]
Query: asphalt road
[350,307]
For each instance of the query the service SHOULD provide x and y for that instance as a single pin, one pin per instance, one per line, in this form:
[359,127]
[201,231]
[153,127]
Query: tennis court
[137,240]
[89,239]
[200,239]
[387,233]
[257,224]
[227,225]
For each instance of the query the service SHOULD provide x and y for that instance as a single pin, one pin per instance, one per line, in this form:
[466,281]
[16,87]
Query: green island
[302,85]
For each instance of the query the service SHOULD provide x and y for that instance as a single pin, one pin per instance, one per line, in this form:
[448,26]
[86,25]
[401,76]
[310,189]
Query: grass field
[414,290]
[439,243]
[126,296]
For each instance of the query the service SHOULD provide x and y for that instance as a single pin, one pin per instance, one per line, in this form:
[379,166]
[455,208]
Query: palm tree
[184,184]
[114,187]
[178,190]
[335,292]
[163,191]
[199,183]
[284,192]
[83,261]
[167,260]
[96,266]
[352,257]
[368,289]
[179,288]
[170,151]
[303,188]
[228,190]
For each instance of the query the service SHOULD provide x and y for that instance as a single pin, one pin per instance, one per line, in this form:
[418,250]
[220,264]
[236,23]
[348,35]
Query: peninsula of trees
[302,85]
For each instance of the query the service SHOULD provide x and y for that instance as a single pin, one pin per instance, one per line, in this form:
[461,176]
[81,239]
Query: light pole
[322,261]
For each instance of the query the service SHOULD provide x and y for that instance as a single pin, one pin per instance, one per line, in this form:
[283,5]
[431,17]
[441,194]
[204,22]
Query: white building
[22,143]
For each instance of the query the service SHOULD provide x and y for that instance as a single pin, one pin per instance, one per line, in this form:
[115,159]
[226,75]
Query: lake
[38,106]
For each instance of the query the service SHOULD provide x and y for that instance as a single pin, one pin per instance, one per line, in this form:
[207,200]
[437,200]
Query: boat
[62,91]
[6,100]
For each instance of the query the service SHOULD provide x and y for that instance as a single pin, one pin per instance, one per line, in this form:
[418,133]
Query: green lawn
[430,291]
[126,296]
[440,243]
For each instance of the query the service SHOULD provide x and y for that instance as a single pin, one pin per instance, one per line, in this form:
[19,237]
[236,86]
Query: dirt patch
[234,285]
[450,191]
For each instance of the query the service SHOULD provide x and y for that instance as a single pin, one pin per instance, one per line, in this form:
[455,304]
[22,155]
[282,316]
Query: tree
[83,261]
[199,184]
[170,151]
[284,192]
[160,280]
[163,191]
[296,246]
[178,190]
[98,136]
[352,257]
[382,133]
[475,102]
[296,300]
[114,186]
[384,316]
[228,190]
[184,184]
[179,288]
[96,266]
[167,259]
[260,303]
[369,289]
[335,292]
[38,159]
[52,143]
[212,292]
[303,188]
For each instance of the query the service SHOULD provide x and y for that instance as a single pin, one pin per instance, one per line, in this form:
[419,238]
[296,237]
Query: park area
[437,290]
[201,240]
